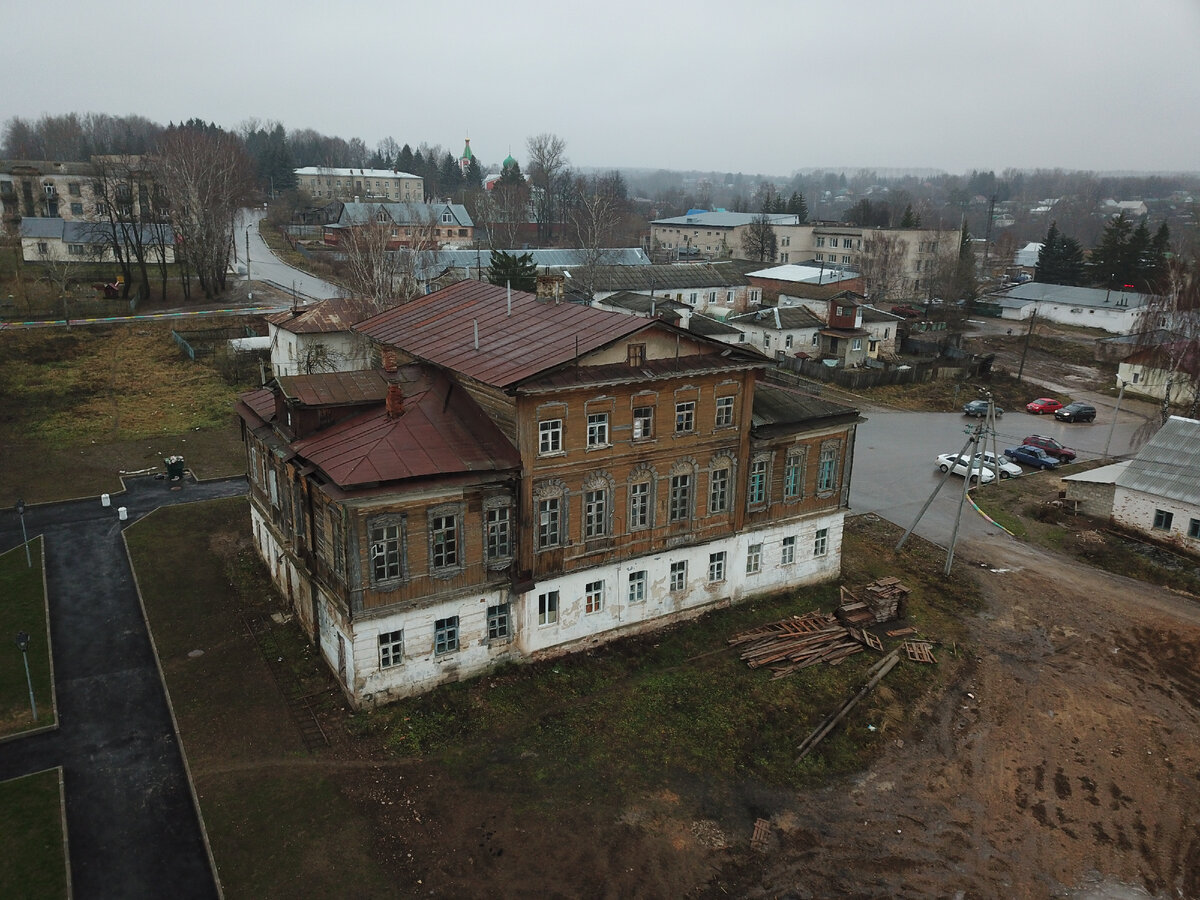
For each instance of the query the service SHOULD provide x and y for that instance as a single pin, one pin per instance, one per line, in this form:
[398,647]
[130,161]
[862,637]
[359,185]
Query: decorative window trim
[685,466]
[503,560]
[603,482]
[717,463]
[799,456]
[718,421]
[767,460]
[400,521]
[434,512]
[834,445]
[552,489]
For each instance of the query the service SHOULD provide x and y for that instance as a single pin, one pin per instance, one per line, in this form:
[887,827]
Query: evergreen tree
[449,176]
[510,175]
[474,177]
[517,270]
[797,207]
[910,218]
[1060,261]
[1159,259]
[405,160]
[1111,264]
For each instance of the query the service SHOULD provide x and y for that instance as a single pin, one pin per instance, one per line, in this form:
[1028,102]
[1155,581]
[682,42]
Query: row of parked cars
[1070,412]
[1036,450]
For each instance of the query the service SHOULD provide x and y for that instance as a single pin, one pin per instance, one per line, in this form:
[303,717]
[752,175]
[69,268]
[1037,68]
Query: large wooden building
[525,478]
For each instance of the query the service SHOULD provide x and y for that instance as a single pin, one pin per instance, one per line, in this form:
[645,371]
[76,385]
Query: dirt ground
[1065,762]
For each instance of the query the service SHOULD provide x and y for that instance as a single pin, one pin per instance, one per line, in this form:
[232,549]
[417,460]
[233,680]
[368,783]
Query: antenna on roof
[475,326]
[508,284]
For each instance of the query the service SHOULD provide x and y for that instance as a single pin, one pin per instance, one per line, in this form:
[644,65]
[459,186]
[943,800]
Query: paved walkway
[133,828]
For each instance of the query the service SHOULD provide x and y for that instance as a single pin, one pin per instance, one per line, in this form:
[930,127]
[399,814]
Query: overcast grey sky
[757,87]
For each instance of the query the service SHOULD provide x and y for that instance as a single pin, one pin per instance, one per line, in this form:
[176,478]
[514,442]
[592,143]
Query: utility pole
[945,477]
[1113,426]
[1025,349]
[248,255]
[961,500]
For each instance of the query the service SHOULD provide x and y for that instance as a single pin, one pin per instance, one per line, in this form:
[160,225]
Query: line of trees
[1126,255]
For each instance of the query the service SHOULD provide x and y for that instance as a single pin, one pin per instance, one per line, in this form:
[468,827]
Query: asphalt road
[894,471]
[264,266]
[132,825]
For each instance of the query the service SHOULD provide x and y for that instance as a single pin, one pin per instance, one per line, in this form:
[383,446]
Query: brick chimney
[389,361]
[395,401]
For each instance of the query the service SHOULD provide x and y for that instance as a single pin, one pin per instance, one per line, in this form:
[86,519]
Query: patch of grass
[280,825]
[23,609]
[679,703]
[78,406]
[33,861]
[951,394]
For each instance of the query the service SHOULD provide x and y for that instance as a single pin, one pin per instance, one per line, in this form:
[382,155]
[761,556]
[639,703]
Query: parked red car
[1043,405]
[907,311]
[1051,446]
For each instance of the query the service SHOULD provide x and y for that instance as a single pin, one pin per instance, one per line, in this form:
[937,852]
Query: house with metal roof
[526,478]
[1117,312]
[335,183]
[446,225]
[309,340]
[1158,493]
[61,240]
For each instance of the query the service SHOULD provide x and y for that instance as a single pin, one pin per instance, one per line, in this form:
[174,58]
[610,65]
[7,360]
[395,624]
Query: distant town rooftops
[723,219]
[332,172]
[1099,298]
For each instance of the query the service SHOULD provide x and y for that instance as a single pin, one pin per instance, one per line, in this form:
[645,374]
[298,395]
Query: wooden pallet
[762,831]
[920,651]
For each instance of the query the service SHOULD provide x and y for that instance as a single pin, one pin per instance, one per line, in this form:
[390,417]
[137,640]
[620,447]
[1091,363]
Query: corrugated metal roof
[441,431]
[403,213]
[326,317]
[1099,298]
[353,173]
[643,303]
[1102,475]
[730,359]
[334,388]
[873,314]
[261,403]
[665,278]
[808,274]
[73,232]
[440,328]
[786,318]
[1169,463]
[709,327]
[778,405]
[725,219]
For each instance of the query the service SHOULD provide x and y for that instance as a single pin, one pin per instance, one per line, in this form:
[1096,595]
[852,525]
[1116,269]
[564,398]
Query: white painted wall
[1135,510]
[347,351]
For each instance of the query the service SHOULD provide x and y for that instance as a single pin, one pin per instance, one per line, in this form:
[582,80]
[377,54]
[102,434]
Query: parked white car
[1008,468]
[959,465]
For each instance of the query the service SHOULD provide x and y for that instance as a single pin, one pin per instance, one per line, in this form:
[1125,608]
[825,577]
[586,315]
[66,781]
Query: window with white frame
[787,342]
[595,513]
[820,243]
[846,259]
[639,504]
[718,490]
[499,622]
[685,416]
[680,505]
[856,344]
[679,576]
[821,542]
[445,635]
[548,608]
[550,522]
[754,559]
[766,341]
[597,430]
[716,566]
[391,649]
[816,339]
[550,436]
[593,597]
[724,412]
[787,550]
[637,586]
[1163,519]
[386,555]
[643,423]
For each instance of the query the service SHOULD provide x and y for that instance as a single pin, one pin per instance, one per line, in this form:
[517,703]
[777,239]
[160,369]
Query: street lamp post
[23,646]
[24,535]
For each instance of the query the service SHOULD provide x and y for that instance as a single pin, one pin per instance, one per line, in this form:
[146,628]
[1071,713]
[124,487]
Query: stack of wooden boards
[799,642]
[880,601]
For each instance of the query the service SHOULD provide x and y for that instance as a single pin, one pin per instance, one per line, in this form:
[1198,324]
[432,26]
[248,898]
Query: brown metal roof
[261,402]
[326,317]
[776,405]
[334,388]
[441,431]
[730,360]
[538,335]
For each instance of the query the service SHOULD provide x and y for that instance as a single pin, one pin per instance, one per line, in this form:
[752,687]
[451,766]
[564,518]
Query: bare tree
[124,190]
[207,177]
[883,266]
[1169,327]
[57,270]
[759,241]
[387,260]
[595,218]
[505,211]
[547,162]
